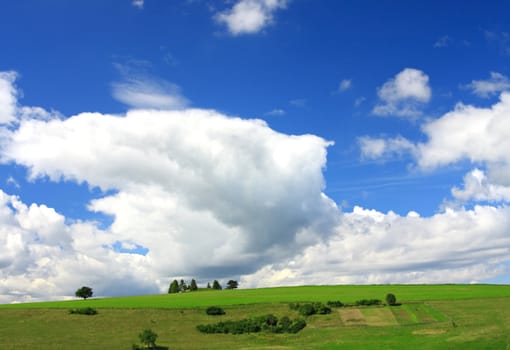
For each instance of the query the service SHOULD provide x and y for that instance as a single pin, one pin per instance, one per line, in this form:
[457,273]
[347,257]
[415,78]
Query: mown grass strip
[434,313]
[409,309]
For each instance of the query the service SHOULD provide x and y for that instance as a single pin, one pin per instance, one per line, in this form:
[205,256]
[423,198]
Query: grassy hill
[430,317]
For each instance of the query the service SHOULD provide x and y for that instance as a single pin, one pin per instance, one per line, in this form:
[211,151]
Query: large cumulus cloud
[373,247]
[202,193]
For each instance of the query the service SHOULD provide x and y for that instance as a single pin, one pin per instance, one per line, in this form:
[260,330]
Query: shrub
[297,325]
[83,311]
[148,338]
[321,309]
[311,309]
[368,302]
[391,299]
[335,303]
[267,323]
[306,310]
[215,311]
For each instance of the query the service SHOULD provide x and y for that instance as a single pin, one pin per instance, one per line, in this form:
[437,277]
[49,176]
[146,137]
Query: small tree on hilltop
[193,285]
[148,338]
[216,285]
[232,284]
[84,292]
[174,287]
[208,285]
[391,299]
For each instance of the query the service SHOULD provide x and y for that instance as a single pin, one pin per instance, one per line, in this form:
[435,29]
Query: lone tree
[84,292]
[216,285]
[148,338]
[193,285]
[391,299]
[174,287]
[232,284]
[208,285]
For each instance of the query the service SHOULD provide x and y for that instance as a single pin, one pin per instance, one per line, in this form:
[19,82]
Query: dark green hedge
[267,323]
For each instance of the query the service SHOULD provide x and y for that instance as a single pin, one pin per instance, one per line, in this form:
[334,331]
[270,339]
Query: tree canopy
[174,287]
[232,284]
[84,292]
[216,285]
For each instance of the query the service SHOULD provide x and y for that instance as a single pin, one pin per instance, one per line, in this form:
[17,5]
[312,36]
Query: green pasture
[344,293]
[430,317]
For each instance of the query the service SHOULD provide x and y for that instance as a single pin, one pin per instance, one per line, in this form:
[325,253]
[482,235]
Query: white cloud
[373,247]
[479,135]
[377,148]
[359,101]
[143,92]
[493,86]
[404,94]
[443,41]
[344,85]
[477,187]
[276,112]
[231,193]
[8,97]
[138,3]
[298,102]
[12,182]
[44,258]
[250,16]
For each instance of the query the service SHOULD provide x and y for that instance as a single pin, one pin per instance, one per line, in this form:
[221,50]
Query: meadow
[429,317]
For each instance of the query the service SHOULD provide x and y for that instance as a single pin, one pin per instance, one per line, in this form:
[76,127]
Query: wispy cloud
[249,16]
[139,89]
[344,85]
[138,3]
[443,41]
[359,101]
[8,97]
[298,102]
[500,39]
[496,83]
[276,112]
[11,181]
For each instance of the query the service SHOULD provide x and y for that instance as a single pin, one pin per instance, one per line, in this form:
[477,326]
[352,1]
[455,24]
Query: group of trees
[181,286]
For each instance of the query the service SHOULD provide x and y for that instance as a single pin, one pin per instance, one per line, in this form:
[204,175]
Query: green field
[430,317]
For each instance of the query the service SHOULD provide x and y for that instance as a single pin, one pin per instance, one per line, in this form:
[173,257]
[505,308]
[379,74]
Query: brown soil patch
[352,317]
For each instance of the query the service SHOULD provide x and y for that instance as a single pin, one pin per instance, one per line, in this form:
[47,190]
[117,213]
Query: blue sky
[281,142]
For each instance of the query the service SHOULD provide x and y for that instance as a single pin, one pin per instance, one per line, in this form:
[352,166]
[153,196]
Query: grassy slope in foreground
[344,293]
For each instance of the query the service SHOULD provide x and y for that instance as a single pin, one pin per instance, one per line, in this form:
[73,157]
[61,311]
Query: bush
[215,311]
[297,325]
[83,311]
[148,338]
[335,303]
[391,299]
[311,309]
[321,309]
[368,302]
[306,310]
[267,323]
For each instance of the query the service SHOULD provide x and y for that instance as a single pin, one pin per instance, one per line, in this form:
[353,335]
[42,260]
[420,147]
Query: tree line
[181,286]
